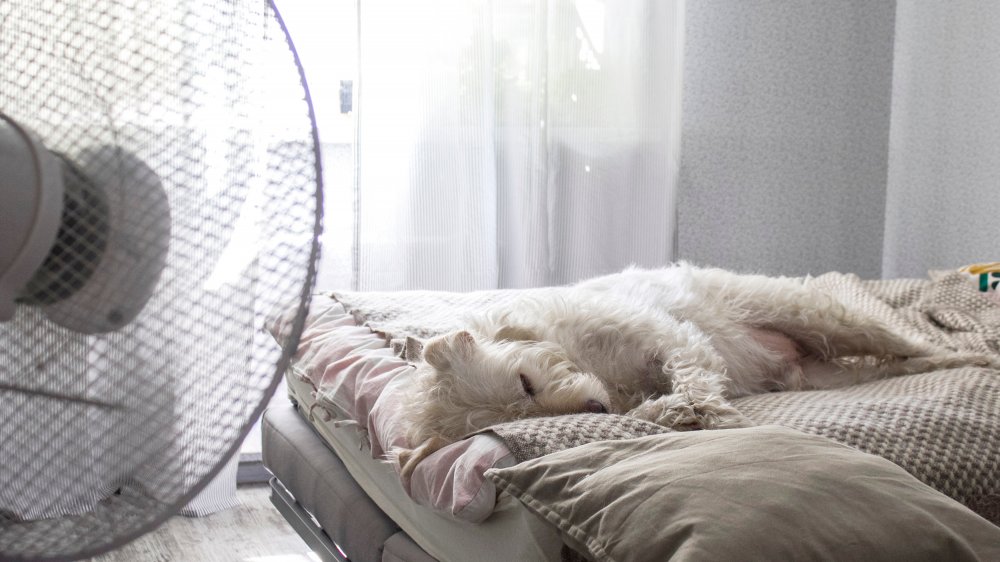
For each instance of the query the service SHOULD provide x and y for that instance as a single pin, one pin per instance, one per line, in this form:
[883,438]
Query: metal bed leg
[303,523]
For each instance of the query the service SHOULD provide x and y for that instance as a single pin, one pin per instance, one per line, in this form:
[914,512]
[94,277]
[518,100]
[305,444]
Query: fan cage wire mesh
[104,436]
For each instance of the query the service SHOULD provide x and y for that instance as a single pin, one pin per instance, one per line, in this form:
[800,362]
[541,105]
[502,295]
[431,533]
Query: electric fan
[160,195]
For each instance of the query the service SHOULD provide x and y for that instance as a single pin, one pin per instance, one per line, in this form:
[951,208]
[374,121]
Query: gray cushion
[294,453]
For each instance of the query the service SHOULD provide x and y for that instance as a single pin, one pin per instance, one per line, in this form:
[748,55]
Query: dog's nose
[595,407]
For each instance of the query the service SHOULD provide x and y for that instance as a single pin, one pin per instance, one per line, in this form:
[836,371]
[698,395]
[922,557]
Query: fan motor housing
[80,242]
[59,250]
[31,206]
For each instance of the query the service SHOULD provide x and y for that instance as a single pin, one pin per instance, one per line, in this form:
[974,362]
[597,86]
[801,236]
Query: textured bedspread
[942,427]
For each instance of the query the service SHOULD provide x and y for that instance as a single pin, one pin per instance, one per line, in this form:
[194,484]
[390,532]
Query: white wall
[785,135]
[943,201]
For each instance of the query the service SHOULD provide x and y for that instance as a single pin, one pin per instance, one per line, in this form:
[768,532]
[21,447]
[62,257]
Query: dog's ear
[516,333]
[442,352]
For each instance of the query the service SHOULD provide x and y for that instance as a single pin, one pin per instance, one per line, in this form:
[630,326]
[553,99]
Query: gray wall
[944,163]
[785,135]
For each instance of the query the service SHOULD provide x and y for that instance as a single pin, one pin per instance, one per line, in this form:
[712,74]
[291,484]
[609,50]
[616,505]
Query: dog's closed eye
[529,389]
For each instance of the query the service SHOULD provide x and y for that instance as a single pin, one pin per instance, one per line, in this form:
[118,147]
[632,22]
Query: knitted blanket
[943,427]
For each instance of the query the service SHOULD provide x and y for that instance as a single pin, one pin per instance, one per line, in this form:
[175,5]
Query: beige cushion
[762,493]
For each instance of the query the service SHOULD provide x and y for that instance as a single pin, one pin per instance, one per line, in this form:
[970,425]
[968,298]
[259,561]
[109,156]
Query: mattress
[433,526]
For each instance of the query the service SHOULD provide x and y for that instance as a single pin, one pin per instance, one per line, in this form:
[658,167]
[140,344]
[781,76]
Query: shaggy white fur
[669,346]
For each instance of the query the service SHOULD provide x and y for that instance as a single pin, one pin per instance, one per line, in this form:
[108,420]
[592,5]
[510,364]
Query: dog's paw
[670,411]
[408,459]
[399,456]
[677,413]
[727,420]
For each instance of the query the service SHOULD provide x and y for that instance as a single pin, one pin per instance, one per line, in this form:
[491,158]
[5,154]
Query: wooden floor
[252,532]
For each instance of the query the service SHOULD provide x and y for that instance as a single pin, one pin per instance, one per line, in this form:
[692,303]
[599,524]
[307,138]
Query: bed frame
[314,492]
[304,524]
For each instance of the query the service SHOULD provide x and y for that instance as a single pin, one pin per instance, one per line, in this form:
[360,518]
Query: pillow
[351,374]
[761,493]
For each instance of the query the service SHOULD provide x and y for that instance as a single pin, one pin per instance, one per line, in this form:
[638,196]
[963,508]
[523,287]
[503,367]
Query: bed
[905,468]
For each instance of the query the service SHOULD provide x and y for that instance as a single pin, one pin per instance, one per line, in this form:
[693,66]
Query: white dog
[669,346]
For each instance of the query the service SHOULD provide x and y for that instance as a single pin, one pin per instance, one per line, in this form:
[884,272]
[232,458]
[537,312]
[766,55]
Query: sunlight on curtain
[499,144]
[514,144]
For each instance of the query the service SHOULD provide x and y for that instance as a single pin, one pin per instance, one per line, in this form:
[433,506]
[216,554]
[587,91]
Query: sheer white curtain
[510,143]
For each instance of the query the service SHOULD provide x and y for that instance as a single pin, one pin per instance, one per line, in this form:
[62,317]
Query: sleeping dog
[670,346]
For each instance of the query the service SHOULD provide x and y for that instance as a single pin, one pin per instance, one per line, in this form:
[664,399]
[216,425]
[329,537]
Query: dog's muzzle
[595,407]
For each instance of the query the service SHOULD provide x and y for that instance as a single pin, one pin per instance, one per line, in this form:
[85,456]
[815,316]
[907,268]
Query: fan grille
[104,435]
